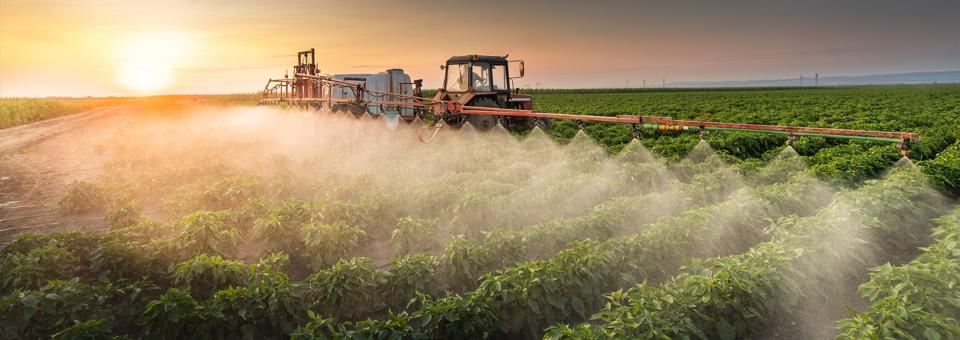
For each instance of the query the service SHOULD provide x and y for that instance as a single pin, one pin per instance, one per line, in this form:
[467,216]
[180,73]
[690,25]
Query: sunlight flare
[148,62]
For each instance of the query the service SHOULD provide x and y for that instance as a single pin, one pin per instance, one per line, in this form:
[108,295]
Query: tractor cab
[476,73]
[480,80]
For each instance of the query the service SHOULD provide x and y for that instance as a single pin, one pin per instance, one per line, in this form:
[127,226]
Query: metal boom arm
[292,91]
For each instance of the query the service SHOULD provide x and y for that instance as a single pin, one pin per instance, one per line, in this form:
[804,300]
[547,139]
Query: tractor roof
[475,57]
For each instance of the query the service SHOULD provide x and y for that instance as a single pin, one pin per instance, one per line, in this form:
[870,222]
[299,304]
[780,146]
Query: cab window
[457,77]
[500,80]
[481,77]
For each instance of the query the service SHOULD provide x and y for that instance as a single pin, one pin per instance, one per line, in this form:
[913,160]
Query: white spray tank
[392,81]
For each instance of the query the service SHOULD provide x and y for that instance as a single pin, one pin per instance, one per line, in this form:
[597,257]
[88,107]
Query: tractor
[485,81]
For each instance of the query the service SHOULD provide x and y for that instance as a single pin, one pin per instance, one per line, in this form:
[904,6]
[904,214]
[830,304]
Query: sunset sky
[111,47]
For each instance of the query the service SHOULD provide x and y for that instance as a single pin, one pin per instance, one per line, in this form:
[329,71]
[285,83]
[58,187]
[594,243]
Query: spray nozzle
[904,147]
[791,139]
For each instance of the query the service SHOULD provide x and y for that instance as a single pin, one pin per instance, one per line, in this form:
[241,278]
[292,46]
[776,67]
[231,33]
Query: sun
[147,62]
[145,78]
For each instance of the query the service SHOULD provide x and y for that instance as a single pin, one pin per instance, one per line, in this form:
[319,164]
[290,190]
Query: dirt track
[39,161]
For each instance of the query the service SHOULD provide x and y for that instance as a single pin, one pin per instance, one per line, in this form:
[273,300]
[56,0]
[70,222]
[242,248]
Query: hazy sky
[111,47]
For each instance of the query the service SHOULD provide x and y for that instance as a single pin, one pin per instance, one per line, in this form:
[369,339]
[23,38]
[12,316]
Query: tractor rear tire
[483,123]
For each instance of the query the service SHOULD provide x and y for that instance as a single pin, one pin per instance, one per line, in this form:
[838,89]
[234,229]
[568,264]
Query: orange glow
[112,47]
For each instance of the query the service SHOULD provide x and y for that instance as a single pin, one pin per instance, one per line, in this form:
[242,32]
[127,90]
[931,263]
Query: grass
[18,111]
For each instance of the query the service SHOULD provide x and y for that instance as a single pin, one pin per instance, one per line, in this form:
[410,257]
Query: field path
[39,161]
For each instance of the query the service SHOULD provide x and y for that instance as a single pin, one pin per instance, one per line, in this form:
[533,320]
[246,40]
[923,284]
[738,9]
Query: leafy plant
[508,247]
[464,261]
[944,171]
[414,235]
[39,313]
[61,304]
[87,330]
[229,192]
[915,300]
[83,197]
[472,213]
[396,326]
[852,163]
[455,317]
[143,232]
[280,229]
[123,215]
[328,243]
[245,217]
[319,328]
[267,306]
[174,315]
[408,276]
[80,244]
[254,313]
[115,261]
[537,293]
[205,232]
[204,275]
[374,213]
[346,290]
[32,270]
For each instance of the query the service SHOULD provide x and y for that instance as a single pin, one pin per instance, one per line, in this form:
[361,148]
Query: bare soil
[39,161]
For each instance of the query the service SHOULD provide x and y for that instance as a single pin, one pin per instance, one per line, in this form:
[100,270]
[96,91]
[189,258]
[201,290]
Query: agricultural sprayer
[478,91]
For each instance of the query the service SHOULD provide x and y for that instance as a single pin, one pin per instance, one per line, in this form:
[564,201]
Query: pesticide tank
[390,81]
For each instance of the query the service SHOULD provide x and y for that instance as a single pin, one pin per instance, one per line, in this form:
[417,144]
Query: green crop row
[466,260]
[734,296]
[944,171]
[33,260]
[188,256]
[521,300]
[650,255]
[917,300]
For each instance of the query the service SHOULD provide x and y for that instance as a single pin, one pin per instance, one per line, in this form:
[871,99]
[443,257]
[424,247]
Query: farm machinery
[478,91]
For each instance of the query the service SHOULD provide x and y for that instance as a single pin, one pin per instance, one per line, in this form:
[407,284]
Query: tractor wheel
[483,122]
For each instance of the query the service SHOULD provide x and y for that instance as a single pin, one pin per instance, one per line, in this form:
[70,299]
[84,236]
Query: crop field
[18,111]
[216,219]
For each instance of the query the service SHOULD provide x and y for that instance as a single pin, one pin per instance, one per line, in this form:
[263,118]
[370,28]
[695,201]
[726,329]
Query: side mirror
[519,68]
[443,67]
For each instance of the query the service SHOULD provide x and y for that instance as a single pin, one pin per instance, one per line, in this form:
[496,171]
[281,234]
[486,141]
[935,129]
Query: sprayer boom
[656,123]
